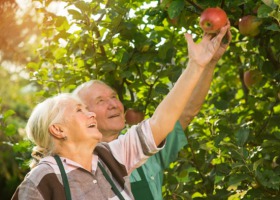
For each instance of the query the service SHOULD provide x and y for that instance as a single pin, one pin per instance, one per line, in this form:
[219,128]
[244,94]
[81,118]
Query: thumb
[188,38]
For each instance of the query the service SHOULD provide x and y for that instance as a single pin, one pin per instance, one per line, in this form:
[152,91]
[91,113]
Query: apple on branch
[249,25]
[251,77]
[133,116]
[213,19]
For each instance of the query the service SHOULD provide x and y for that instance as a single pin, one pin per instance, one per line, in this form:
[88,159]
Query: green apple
[251,77]
[249,25]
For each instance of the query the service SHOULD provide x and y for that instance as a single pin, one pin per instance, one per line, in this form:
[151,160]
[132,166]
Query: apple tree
[138,47]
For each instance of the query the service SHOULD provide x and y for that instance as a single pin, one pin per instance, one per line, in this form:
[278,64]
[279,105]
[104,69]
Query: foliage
[14,149]
[233,150]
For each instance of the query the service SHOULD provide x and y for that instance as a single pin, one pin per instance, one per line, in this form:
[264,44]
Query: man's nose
[112,103]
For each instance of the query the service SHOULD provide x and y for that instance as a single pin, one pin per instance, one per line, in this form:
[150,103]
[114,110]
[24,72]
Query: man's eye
[79,110]
[115,97]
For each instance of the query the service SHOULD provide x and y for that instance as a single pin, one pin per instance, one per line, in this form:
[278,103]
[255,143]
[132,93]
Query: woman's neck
[81,155]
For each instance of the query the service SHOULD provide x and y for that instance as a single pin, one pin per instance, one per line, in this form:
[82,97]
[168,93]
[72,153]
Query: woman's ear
[56,131]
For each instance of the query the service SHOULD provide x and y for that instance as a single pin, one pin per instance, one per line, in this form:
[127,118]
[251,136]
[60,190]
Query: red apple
[251,77]
[133,116]
[249,25]
[213,19]
[173,21]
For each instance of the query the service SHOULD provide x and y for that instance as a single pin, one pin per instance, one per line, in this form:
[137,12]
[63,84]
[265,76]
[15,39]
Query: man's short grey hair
[86,85]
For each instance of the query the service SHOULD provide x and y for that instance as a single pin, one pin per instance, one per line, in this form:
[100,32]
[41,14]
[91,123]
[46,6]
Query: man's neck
[109,138]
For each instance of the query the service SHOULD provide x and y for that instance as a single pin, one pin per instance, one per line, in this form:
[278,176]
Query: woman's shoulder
[39,182]
[39,172]
[42,168]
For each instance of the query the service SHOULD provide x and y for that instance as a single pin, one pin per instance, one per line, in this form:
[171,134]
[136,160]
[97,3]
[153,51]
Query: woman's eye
[79,110]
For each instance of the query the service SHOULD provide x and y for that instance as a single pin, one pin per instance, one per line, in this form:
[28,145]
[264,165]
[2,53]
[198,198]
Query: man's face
[104,102]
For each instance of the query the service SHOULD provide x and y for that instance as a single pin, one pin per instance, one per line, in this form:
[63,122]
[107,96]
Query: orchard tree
[138,47]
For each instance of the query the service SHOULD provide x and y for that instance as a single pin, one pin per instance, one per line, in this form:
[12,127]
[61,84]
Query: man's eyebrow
[114,92]
[98,97]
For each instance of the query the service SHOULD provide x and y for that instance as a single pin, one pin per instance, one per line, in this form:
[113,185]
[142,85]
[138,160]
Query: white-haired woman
[75,165]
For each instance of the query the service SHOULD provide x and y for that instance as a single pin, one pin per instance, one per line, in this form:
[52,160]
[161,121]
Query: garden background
[138,47]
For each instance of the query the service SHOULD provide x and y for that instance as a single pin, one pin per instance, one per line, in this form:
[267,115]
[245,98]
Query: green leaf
[222,169]
[60,53]
[277,134]
[161,89]
[236,179]
[61,23]
[269,179]
[22,146]
[264,11]
[109,66]
[10,130]
[273,27]
[32,66]
[257,163]
[76,14]
[221,104]
[175,8]
[242,136]
[270,3]
[8,113]
[83,6]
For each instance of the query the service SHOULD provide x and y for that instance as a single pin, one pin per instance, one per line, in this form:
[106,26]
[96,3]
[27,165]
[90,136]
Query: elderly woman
[76,165]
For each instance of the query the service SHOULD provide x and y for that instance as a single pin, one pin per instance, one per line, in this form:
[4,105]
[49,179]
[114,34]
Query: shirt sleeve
[135,147]
[175,141]
[27,190]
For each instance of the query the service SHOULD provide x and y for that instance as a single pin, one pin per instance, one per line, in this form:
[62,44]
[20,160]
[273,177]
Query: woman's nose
[91,114]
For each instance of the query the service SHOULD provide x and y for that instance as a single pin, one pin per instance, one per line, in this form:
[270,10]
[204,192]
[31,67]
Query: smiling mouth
[113,116]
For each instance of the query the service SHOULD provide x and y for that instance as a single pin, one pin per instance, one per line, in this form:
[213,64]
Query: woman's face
[80,124]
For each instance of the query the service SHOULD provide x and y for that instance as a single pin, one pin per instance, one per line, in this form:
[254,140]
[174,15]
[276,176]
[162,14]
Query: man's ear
[56,131]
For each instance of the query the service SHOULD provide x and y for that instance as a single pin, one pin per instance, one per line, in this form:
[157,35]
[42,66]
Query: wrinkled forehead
[101,90]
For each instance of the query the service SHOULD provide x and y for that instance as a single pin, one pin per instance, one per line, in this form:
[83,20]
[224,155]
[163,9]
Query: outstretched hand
[210,48]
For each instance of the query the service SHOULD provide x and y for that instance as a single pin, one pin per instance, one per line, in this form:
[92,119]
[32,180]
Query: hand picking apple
[213,19]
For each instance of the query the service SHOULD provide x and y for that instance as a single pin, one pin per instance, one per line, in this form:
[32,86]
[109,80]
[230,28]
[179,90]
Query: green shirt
[154,167]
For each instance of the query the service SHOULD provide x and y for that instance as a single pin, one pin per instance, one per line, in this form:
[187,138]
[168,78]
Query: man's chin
[116,124]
